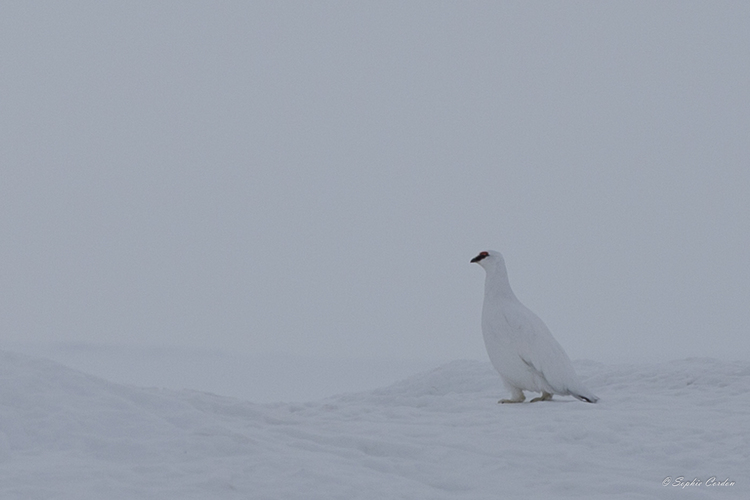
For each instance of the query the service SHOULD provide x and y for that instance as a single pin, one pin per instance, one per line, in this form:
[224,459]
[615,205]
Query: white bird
[520,346]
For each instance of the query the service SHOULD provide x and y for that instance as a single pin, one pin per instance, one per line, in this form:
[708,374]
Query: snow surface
[261,378]
[437,435]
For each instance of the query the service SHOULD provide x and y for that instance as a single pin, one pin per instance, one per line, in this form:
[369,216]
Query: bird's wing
[539,350]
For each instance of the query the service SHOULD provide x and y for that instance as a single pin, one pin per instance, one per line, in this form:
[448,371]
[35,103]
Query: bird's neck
[497,285]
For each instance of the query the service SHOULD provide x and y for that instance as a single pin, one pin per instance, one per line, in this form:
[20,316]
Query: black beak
[479,257]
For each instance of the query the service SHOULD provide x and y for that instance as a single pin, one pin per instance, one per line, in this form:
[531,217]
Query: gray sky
[312,178]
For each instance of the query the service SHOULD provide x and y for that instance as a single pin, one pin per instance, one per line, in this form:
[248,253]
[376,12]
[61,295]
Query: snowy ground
[261,378]
[437,435]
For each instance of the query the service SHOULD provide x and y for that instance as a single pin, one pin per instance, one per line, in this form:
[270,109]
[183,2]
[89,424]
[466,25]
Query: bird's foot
[546,396]
[516,396]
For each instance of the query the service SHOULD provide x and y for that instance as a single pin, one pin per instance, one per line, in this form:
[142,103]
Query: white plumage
[520,346]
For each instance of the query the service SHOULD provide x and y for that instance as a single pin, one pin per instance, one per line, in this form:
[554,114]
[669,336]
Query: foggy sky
[314,177]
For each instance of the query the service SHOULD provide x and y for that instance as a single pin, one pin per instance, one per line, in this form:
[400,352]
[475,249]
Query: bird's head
[489,259]
[497,283]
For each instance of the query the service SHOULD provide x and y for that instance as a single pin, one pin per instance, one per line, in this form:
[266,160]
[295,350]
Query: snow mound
[436,435]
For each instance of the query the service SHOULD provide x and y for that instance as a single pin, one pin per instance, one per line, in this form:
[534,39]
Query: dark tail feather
[590,399]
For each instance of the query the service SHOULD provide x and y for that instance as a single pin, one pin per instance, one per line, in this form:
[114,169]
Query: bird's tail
[587,397]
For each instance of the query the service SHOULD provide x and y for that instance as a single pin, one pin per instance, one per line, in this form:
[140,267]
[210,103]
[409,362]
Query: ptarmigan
[520,346]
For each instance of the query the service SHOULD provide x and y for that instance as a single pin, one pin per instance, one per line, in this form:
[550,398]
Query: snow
[262,378]
[436,435]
